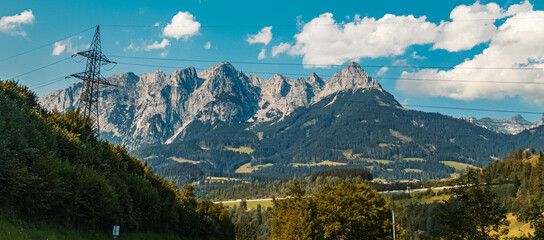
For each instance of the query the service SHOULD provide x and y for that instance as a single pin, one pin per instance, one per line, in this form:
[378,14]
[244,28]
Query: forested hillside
[524,172]
[222,122]
[365,129]
[55,170]
[229,190]
[512,185]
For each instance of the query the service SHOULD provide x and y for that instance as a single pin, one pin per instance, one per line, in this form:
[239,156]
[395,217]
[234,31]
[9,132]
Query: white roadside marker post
[393,213]
[115,231]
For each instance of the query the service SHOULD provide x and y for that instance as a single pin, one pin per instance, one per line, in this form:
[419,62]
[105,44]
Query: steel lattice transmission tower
[92,80]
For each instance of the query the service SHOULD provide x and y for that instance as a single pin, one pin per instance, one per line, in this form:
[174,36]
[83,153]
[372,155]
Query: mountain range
[513,125]
[224,122]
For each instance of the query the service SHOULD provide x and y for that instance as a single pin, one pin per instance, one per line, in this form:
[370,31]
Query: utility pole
[393,213]
[92,79]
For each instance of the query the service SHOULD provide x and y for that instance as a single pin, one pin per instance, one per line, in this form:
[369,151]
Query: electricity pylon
[92,79]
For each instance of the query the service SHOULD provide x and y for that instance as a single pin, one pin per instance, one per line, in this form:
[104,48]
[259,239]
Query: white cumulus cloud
[208,45]
[12,24]
[183,25]
[264,36]
[58,48]
[281,48]
[516,43]
[262,54]
[69,45]
[158,45]
[323,41]
[382,71]
[470,26]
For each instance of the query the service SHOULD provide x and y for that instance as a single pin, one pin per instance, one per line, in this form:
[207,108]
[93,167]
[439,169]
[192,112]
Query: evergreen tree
[474,211]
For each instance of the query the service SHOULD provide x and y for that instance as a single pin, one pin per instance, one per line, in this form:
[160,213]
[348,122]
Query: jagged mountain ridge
[203,119]
[512,126]
[156,108]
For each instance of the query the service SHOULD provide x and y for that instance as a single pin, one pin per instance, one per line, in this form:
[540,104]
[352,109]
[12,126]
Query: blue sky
[481,35]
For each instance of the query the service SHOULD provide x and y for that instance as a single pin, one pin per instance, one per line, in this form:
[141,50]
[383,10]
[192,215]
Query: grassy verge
[13,230]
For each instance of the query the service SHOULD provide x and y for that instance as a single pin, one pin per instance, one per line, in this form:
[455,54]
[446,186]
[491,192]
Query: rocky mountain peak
[353,74]
[158,107]
[279,85]
[314,79]
[187,78]
[220,69]
[513,125]
[518,118]
[278,78]
[352,77]
[354,66]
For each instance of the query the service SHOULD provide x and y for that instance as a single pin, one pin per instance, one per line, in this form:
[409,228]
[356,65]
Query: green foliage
[525,173]
[250,224]
[294,217]
[267,189]
[474,212]
[352,210]
[55,170]
[421,221]
[538,225]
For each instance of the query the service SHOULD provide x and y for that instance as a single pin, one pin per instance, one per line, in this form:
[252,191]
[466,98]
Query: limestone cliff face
[155,108]
[513,125]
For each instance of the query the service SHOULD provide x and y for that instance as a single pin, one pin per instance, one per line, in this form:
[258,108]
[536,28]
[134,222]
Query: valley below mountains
[224,124]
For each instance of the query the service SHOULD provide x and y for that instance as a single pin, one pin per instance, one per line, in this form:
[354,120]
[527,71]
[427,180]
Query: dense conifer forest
[55,170]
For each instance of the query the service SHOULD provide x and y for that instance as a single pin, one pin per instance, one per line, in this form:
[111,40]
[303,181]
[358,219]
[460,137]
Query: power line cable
[327,65]
[412,105]
[432,106]
[40,68]
[45,45]
[329,75]
[47,83]
[472,109]
[316,24]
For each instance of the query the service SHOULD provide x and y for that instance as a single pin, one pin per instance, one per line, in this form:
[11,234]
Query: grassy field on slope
[457,165]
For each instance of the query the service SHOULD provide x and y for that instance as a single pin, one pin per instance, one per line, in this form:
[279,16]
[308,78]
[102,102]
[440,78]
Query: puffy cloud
[322,41]
[463,32]
[281,48]
[262,54]
[12,24]
[158,45]
[517,43]
[264,36]
[58,48]
[382,71]
[208,45]
[69,45]
[183,25]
